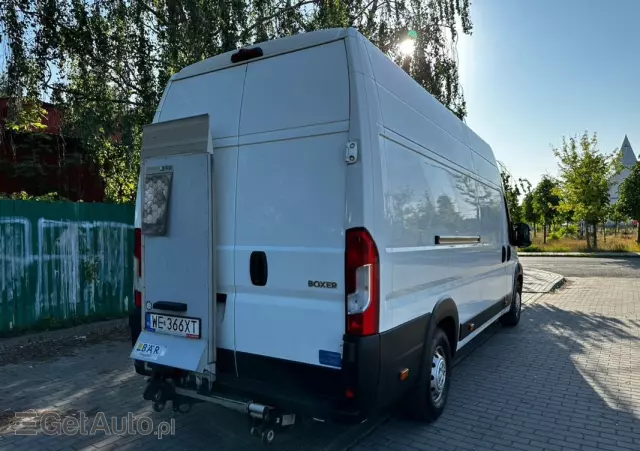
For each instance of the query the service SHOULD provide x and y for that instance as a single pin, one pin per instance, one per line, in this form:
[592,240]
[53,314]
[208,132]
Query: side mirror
[522,235]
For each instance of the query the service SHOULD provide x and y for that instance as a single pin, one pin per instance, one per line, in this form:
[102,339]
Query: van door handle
[504,254]
[258,268]
[509,253]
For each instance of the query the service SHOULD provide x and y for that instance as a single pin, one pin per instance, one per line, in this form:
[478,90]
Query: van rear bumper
[372,365]
[368,381]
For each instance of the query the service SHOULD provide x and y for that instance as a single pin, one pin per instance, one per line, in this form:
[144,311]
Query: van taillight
[362,283]
[137,261]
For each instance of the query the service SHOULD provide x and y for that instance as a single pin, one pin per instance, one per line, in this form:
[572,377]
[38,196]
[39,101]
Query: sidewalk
[581,254]
[538,282]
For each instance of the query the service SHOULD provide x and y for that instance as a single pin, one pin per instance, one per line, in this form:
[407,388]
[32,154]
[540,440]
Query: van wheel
[427,400]
[512,317]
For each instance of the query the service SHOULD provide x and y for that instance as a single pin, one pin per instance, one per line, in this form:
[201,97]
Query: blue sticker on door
[330,358]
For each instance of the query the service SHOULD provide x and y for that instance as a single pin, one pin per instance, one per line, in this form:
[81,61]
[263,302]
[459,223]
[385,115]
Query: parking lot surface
[567,378]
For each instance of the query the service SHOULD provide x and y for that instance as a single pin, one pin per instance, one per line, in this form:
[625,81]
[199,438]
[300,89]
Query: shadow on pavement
[560,379]
[101,379]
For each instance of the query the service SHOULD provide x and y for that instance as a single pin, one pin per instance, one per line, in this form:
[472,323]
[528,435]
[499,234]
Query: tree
[4,85]
[617,214]
[629,192]
[107,63]
[450,218]
[512,195]
[585,176]
[529,213]
[545,202]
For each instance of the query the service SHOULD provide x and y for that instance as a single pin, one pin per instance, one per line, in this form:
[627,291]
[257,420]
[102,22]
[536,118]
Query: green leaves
[106,64]
[585,178]
[529,213]
[546,200]
[512,194]
[629,191]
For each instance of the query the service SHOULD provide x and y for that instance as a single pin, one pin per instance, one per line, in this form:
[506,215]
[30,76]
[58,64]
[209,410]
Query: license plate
[173,325]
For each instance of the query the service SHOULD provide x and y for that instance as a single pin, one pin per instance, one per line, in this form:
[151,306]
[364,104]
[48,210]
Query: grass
[612,244]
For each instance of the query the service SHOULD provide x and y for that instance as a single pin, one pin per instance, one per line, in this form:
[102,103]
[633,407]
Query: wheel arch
[518,278]
[445,315]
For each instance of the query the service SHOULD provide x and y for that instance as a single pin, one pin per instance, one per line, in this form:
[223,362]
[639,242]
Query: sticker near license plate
[173,325]
[149,351]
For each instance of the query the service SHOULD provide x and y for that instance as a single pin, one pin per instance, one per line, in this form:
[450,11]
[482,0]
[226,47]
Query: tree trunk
[586,234]
[604,232]
[534,229]
[595,236]
[638,239]
[544,233]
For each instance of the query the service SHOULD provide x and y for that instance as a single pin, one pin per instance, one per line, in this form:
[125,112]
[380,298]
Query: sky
[534,71]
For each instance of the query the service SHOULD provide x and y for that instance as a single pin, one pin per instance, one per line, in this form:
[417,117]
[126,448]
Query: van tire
[427,400]
[512,317]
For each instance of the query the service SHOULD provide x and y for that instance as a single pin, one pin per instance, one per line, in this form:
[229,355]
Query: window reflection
[425,199]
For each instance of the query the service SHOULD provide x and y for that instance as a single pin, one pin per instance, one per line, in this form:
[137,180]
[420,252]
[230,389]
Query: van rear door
[219,95]
[290,213]
[178,246]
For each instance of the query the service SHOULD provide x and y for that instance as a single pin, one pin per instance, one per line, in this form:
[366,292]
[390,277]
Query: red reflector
[349,393]
[361,252]
[246,54]
[138,298]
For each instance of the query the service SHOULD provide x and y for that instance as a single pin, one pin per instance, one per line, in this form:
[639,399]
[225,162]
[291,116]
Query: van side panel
[290,209]
[425,198]
[493,285]
[431,182]
[415,114]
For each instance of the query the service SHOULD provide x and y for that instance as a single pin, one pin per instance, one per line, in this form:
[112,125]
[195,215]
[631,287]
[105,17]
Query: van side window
[491,216]
[424,198]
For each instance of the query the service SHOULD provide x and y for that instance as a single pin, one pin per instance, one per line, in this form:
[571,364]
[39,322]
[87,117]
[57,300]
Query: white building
[628,160]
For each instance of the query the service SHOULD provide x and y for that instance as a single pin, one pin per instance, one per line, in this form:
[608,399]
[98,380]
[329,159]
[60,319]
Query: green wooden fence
[64,263]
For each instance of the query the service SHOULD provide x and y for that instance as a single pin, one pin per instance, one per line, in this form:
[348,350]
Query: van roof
[269,48]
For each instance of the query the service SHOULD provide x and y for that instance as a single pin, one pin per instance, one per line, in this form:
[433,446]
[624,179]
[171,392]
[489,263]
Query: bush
[554,236]
[22,195]
[570,231]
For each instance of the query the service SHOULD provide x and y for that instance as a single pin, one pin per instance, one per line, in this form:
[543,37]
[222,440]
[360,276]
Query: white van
[315,234]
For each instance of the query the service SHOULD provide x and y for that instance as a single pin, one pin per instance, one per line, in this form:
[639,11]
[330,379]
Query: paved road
[586,266]
[567,378]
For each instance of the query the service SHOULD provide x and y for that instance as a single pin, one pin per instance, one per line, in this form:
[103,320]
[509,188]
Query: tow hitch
[264,421]
[160,390]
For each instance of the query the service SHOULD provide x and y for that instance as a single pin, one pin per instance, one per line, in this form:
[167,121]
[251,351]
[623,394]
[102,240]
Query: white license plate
[173,325]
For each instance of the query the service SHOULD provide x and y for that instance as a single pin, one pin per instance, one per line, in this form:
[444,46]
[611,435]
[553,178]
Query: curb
[581,254]
[62,333]
[532,297]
